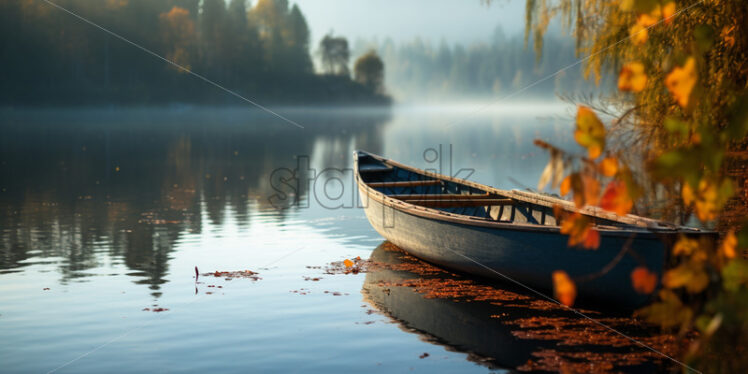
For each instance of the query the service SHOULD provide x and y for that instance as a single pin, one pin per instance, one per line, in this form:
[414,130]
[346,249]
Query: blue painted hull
[525,256]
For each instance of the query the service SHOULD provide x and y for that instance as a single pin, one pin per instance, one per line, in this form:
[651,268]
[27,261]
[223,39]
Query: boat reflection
[500,327]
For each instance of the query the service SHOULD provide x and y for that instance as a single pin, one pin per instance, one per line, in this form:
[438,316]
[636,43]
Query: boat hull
[520,255]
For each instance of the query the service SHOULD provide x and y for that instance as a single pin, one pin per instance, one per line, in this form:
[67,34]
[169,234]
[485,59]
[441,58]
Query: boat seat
[441,203]
[404,184]
[374,168]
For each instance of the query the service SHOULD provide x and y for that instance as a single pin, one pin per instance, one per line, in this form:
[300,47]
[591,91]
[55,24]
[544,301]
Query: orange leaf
[668,10]
[632,77]
[685,246]
[591,190]
[728,35]
[592,239]
[566,185]
[609,166]
[616,198]
[728,245]
[564,288]
[639,32]
[590,132]
[348,263]
[580,231]
[643,280]
[681,80]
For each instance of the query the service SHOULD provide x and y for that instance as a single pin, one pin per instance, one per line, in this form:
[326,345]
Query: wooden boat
[509,235]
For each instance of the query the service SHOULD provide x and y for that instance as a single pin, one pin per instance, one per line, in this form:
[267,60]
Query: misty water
[105,213]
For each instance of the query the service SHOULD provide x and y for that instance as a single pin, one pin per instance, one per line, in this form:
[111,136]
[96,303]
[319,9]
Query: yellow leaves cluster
[632,77]
[690,275]
[590,132]
[709,198]
[681,81]
[669,312]
[564,288]
[650,13]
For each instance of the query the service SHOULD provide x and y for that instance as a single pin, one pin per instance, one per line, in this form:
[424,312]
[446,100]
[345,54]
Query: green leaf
[704,36]
[735,274]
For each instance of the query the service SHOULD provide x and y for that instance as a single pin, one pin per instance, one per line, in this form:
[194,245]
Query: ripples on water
[106,212]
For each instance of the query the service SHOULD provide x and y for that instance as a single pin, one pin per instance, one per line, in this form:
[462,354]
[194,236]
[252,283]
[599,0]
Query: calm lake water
[105,213]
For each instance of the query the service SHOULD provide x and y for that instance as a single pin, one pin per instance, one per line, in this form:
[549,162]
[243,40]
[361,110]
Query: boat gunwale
[646,231]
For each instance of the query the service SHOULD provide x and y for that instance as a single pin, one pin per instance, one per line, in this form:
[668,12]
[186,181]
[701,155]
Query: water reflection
[88,188]
[502,327]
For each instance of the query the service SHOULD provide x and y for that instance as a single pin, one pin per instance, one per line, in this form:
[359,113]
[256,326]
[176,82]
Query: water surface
[105,213]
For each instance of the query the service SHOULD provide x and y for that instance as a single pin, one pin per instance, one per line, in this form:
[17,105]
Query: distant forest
[421,71]
[50,57]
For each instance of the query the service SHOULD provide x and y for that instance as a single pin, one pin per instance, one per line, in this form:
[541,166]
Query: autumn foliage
[683,96]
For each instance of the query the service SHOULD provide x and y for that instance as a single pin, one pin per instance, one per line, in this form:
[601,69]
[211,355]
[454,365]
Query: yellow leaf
[590,132]
[609,166]
[709,198]
[685,246]
[643,280]
[348,263]
[728,245]
[632,77]
[681,81]
[564,288]
[639,32]
[690,275]
[668,10]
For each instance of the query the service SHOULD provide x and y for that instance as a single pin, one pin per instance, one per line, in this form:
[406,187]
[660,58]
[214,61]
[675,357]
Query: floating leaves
[643,280]
[681,81]
[348,263]
[632,77]
[590,132]
[564,288]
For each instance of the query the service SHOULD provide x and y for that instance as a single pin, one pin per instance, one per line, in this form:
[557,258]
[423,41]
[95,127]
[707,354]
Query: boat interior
[448,196]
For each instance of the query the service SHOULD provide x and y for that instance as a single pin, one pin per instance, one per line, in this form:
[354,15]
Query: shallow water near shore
[105,214]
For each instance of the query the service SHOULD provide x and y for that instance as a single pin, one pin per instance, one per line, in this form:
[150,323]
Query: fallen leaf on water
[564,288]
[424,355]
[348,263]
[643,280]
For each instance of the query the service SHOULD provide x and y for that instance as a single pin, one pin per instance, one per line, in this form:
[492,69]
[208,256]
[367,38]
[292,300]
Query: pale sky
[463,21]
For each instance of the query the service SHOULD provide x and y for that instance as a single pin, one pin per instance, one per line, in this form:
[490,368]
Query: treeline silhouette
[419,70]
[51,57]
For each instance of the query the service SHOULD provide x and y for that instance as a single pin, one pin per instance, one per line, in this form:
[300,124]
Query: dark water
[106,212]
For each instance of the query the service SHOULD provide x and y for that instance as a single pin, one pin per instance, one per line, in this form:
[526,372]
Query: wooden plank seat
[408,197]
[433,182]
[437,203]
